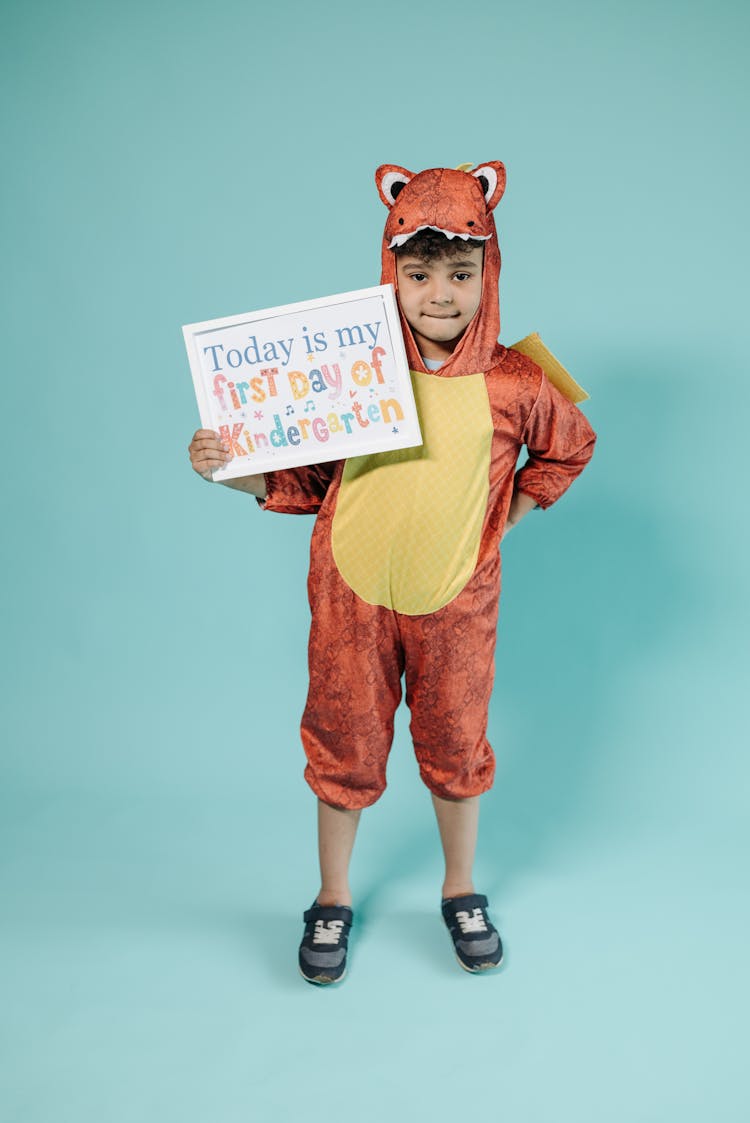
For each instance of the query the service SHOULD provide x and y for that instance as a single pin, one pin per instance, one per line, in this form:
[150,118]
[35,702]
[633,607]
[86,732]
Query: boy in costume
[405,567]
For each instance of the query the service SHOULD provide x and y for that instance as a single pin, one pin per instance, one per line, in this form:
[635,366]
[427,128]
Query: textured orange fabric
[359,652]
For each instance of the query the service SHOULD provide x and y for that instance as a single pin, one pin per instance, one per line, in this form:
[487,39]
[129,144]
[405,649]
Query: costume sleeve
[560,443]
[298,491]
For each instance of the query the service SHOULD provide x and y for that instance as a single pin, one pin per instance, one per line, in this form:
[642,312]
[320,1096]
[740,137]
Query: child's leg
[476,940]
[356,663]
[337,828]
[458,821]
[449,662]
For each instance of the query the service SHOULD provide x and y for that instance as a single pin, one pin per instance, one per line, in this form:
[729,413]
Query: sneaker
[322,953]
[475,939]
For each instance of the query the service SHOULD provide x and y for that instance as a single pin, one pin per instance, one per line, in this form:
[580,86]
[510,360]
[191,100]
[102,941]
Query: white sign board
[324,379]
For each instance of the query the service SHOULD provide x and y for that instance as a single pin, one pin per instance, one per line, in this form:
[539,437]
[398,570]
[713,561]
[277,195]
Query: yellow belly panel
[408,523]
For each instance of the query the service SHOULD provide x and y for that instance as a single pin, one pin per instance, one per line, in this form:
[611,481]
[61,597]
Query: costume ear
[391,179]
[491,178]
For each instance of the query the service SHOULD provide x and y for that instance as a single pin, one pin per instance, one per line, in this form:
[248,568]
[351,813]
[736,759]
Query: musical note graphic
[289,410]
[310,406]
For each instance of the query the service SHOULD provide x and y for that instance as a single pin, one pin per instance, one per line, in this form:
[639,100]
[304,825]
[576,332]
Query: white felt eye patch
[489,175]
[392,183]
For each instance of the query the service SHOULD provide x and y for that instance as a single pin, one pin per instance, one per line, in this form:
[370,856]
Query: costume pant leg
[449,664]
[356,664]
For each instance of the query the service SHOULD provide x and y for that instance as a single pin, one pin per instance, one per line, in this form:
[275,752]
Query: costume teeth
[402,239]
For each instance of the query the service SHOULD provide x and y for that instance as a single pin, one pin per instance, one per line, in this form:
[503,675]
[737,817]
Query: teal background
[166,163]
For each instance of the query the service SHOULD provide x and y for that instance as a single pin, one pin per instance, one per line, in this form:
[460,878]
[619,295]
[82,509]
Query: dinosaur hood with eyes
[458,204]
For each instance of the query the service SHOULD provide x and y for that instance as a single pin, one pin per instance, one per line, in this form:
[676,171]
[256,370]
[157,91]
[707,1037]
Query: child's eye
[418,276]
[461,276]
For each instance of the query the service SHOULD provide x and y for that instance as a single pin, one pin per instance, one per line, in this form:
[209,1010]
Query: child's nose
[441,292]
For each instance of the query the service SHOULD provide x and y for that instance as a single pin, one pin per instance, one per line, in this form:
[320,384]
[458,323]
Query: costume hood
[459,204]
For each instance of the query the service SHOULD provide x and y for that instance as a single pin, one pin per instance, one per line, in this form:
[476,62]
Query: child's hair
[430,244]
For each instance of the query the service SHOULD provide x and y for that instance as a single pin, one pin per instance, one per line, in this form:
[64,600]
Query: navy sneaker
[322,953]
[475,938]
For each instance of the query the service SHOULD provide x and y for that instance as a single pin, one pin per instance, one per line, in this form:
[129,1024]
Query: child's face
[439,298]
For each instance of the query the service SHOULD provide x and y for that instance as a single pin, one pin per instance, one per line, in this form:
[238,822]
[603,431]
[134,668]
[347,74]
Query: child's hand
[207,452]
[520,505]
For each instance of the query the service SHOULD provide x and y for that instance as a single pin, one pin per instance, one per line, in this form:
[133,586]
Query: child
[414,592]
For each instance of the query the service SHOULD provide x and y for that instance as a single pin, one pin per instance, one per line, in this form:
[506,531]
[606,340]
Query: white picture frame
[304,383]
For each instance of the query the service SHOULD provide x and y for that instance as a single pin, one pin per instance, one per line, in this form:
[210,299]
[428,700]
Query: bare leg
[337,828]
[458,822]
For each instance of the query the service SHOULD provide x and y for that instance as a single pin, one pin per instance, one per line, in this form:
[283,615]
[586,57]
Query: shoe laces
[327,931]
[471,922]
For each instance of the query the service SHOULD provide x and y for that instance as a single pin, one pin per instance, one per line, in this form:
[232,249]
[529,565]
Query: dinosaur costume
[405,567]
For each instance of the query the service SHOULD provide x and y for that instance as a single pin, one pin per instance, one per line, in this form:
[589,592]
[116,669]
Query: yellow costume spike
[464,167]
[535,350]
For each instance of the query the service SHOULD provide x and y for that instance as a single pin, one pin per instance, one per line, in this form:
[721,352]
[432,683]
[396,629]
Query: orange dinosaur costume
[405,567]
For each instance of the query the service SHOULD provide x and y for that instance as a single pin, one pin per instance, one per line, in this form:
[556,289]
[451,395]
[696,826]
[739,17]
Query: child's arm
[292,491]
[207,452]
[560,443]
